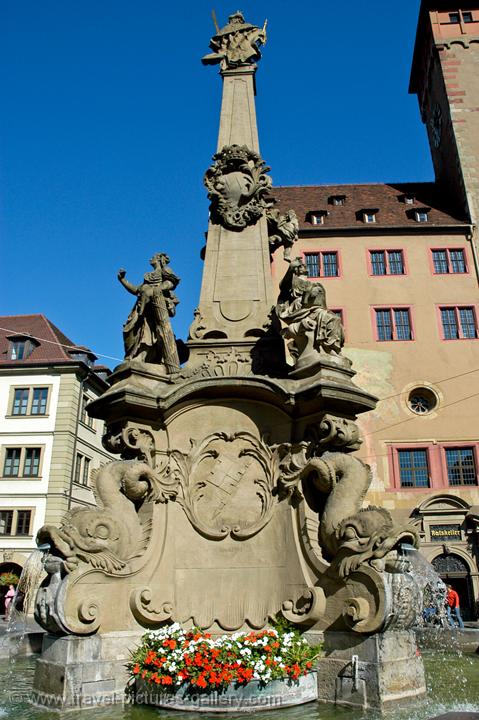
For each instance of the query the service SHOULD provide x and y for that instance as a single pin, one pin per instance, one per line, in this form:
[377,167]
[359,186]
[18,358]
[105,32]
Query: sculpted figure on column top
[236,44]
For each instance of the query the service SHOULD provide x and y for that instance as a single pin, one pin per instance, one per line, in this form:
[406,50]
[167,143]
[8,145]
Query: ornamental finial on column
[236,44]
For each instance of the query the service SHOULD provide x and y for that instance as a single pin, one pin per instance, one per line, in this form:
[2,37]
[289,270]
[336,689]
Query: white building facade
[49,446]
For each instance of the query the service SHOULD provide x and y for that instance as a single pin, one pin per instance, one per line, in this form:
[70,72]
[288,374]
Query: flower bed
[171,659]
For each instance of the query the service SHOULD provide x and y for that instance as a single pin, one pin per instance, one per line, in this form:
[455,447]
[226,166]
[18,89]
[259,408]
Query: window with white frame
[29,401]
[317,217]
[84,416]
[15,521]
[337,200]
[82,469]
[421,215]
[22,462]
[20,347]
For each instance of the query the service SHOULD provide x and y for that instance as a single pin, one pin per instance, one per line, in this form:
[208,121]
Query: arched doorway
[455,571]
[7,567]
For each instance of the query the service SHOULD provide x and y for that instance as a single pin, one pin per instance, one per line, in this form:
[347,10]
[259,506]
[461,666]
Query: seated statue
[147,333]
[310,326]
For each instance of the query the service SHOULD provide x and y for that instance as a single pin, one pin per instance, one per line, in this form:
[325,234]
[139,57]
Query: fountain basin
[242,698]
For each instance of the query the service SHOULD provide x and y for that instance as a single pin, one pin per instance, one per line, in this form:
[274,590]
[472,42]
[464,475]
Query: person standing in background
[452,603]
[10,594]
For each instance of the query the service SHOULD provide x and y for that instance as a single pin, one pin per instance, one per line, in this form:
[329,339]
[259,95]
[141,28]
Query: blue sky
[109,121]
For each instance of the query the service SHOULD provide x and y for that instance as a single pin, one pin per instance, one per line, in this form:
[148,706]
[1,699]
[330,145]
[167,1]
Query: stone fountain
[236,495]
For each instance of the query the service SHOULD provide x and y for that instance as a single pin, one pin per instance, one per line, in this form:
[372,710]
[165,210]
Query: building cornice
[377,231]
[78,368]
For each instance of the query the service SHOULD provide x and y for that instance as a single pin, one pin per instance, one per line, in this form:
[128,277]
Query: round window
[422,400]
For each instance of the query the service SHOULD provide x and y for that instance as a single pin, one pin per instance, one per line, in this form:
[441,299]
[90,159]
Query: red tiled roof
[387,199]
[50,344]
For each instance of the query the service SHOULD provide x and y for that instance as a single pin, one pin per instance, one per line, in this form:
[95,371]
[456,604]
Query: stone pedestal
[370,672]
[77,672]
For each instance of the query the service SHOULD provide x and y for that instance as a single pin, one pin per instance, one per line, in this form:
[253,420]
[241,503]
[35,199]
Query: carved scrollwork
[146,610]
[237,184]
[306,609]
[88,612]
[333,432]
[292,459]
[198,326]
[229,363]
[225,484]
[132,443]
[82,613]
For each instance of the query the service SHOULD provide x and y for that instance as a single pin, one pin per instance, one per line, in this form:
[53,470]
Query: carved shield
[226,484]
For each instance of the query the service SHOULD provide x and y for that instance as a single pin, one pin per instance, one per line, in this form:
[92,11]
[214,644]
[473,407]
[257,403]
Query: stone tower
[444,76]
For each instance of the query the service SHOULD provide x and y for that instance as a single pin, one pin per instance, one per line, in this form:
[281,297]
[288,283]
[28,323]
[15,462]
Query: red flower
[136,669]
[150,657]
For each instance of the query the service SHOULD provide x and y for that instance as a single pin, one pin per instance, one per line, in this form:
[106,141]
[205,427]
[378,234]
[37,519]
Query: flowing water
[433,589]
[26,590]
[453,685]
[28,584]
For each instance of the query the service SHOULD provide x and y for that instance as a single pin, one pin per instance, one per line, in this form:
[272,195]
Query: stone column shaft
[237,291]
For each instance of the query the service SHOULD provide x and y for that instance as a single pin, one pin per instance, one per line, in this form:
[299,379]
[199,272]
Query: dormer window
[337,200]
[369,216]
[82,357]
[20,347]
[421,215]
[316,217]
[408,199]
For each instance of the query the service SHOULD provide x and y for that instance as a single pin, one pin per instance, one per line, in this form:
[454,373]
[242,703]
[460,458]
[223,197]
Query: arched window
[448,564]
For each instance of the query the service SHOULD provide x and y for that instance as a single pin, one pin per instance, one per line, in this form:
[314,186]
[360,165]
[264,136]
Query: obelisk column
[237,292]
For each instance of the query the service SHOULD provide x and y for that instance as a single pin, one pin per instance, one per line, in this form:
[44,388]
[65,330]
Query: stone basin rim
[250,698]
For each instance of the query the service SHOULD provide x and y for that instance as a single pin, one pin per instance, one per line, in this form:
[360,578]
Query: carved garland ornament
[237,184]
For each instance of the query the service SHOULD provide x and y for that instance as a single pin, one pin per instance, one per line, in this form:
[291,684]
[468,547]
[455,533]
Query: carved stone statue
[108,536]
[147,333]
[237,185]
[310,325]
[282,231]
[236,44]
[335,486]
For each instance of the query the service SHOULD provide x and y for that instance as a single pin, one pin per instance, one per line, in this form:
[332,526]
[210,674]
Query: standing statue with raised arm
[147,333]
